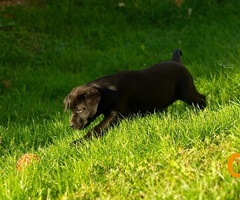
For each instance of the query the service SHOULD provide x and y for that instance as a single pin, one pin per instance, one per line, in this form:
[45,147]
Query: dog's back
[155,87]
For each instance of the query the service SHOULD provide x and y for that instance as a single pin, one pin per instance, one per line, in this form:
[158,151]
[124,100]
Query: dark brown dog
[131,92]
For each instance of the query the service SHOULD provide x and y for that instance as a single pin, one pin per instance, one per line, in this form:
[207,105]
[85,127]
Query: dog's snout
[71,125]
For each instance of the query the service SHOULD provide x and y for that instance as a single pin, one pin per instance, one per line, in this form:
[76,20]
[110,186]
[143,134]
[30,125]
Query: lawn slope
[49,47]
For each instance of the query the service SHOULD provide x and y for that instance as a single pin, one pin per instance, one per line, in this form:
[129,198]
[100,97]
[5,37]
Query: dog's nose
[71,125]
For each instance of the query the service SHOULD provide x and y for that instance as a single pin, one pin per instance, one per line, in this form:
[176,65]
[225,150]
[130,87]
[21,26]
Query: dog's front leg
[98,130]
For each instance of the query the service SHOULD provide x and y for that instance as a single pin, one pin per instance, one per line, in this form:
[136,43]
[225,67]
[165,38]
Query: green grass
[50,47]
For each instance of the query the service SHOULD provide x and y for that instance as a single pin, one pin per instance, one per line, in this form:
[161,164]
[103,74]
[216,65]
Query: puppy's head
[83,102]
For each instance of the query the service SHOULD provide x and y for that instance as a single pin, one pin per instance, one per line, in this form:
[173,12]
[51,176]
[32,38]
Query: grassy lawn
[47,47]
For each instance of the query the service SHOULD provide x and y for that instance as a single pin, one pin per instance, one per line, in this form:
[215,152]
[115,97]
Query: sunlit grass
[49,48]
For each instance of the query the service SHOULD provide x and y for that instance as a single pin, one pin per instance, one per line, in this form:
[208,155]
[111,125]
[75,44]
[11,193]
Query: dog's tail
[176,56]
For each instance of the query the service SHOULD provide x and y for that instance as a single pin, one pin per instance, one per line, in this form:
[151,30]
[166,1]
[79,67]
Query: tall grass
[51,46]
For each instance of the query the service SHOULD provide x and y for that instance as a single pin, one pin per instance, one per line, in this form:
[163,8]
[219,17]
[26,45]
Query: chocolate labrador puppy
[131,92]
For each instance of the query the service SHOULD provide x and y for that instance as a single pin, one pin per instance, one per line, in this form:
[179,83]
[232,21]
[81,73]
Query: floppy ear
[67,102]
[92,98]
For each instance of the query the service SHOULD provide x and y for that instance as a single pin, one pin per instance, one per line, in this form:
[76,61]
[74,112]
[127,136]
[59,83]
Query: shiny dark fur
[131,92]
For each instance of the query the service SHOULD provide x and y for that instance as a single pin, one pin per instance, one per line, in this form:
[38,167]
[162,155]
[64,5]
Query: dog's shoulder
[113,81]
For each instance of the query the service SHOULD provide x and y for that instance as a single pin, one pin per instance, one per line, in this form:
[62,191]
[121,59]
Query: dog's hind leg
[189,94]
[198,101]
[194,98]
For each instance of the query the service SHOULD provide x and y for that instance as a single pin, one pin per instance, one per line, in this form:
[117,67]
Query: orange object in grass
[26,160]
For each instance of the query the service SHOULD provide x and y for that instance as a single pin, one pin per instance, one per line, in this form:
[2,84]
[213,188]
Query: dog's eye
[79,111]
